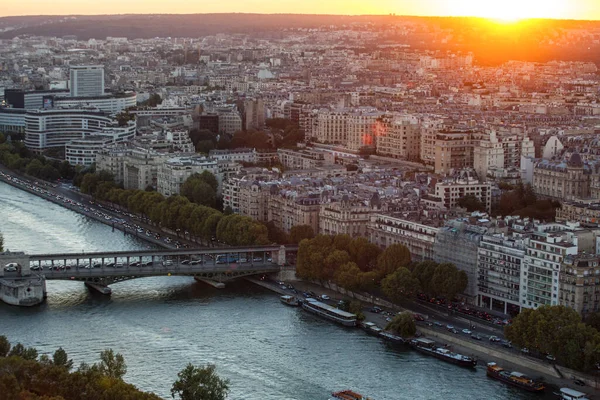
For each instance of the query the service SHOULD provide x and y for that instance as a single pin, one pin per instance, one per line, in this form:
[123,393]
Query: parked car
[449,327]
[525,350]
[376,310]
[436,323]
[476,337]
[325,297]
[466,331]
[494,339]
[550,357]
[418,317]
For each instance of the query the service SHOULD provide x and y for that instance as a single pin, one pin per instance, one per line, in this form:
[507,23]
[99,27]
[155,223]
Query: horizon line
[306,14]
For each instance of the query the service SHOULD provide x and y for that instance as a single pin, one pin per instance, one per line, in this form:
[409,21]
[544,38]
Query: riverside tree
[403,325]
[392,258]
[400,285]
[200,383]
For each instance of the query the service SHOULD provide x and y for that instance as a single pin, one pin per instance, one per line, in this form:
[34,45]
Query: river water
[267,350]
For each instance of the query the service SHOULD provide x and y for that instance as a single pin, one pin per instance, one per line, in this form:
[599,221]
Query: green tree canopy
[112,365]
[61,359]
[403,325]
[400,284]
[200,383]
[301,232]
[392,258]
[471,203]
[201,189]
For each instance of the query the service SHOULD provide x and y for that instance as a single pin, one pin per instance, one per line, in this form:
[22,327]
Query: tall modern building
[87,80]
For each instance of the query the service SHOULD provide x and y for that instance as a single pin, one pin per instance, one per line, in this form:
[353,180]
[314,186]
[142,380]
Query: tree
[424,271]
[403,325]
[392,258]
[202,383]
[301,232]
[112,365]
[196,190]
[356,308]
[61,359]
[27,353]
[471,203]
[448,281]
[4,346]
[276,235]
[348,276]
[364,253]
[400,285]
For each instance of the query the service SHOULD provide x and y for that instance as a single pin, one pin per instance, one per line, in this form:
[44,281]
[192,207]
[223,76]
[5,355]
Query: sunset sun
[511,10]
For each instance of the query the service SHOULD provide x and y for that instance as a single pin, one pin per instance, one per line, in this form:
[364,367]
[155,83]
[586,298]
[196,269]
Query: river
[267,350]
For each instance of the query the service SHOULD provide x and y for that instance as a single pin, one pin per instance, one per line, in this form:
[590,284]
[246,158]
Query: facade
[453,151]
[175,171]
[579,283]
[457,243]
[331,127]
[32,100]
[545,251]
[361,128]
[451,190]
[488,154]
[287,210]
[209,122]
[305,158]
[111,104]
[499,262]
[230,122]
[386,230]
[237,155]
[57,127]
[563,181]
[400,138]
[86,80]
[254,114]
[345,217]
[12,120]
[429,130]
[83,151]
[578,212]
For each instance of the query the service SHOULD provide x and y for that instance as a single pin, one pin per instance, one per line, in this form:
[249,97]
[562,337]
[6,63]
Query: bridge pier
[99,288]
[218,285]
[281,256]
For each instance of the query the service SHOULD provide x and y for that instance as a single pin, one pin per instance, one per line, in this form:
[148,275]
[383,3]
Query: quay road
[81,204]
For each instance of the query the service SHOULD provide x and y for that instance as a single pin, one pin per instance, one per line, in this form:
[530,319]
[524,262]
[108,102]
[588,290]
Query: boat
[289,300]
[516,379]
[429,347]
[348,395]
[570,394]
[329,312]
[371,328]
[390,337]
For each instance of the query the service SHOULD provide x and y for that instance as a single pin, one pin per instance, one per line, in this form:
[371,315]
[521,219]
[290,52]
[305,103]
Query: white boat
[570,394]
[289,300]
[329,312]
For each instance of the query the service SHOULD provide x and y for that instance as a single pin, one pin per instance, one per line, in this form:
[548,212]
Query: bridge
[101,269]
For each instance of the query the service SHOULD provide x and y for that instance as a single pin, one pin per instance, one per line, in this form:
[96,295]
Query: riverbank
[512,361]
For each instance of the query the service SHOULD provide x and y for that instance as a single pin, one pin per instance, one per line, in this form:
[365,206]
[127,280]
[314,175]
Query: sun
[509,10]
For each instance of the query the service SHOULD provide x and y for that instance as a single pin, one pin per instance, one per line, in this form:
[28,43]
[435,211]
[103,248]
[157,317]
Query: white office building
[87,80]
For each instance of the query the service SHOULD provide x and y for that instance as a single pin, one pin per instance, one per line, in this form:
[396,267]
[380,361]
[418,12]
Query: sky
[497,9]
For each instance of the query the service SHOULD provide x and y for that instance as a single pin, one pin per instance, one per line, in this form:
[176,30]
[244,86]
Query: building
[307,158]
[385,230]
[86,80]
[457,243]
[57,127]
[330,126]
[499,262]
[346,217]
[399,138]
[546,249]
[254,114]
[588,213]
[562,180]
[209,122]
[288,209]
[110,103]
[579,283]
[230,121]
[461,185]
[361,130]
[12,120]
[237,155]
[83,151]
[175,171]
[453,151]
[32,99]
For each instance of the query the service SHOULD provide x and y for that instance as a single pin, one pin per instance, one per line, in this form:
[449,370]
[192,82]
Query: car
[436,323]
[578,382]
[195,262]
[148,264]
[376,310]
[134,264]
[550,357]
[36,268]
[10,269]
[283,287]
[110,265]
[185,262]
[418,317]
[466,331]
[167,263]
[494,339]
[525,350]
[476,337]
[449,327]
[325,297]
[507,344]
[453,330]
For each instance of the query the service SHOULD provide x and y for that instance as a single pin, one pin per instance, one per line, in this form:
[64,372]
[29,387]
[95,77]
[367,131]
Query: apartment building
[307,158]
[362,130]
[579,283]
[175,171]
[578,212]
[463,184]
[499,261]
[331,127]
[287,209]
[562,180]
[453,151]
[429,130]
[385,230]
[346,217]
[399,137]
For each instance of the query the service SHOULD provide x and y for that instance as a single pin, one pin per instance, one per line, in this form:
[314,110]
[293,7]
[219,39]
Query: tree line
[358,265]
[16,156]
[179,212]
[27,376]
[559,331]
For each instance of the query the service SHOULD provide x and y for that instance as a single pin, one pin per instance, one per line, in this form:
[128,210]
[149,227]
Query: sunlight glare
[508,11]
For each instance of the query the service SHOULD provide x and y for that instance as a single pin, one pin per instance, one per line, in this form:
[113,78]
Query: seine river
[267,350]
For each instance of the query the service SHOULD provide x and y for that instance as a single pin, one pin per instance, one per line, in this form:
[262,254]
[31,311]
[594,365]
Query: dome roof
[575,161]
